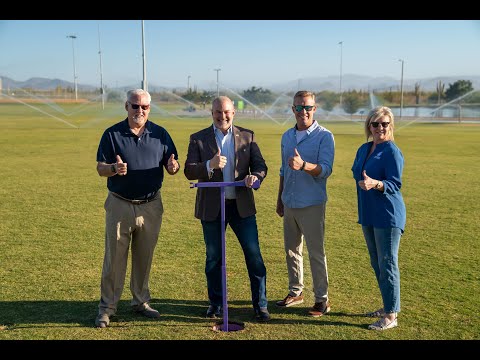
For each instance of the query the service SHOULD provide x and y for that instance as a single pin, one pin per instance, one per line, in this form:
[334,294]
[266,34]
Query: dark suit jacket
[248,160]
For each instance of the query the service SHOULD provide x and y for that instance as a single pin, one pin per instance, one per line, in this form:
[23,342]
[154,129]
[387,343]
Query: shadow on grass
[174,312]
[242,311]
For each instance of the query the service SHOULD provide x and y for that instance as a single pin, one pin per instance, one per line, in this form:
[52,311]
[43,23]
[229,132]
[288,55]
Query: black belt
[230,201]
[135,202]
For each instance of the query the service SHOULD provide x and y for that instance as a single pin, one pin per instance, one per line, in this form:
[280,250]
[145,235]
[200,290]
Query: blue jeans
[247,234]
[383,244]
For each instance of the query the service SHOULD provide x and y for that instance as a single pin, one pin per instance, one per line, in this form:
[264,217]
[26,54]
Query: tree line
[353,100]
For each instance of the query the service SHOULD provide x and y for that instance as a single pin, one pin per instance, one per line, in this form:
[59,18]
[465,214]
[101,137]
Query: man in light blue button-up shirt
[307,151]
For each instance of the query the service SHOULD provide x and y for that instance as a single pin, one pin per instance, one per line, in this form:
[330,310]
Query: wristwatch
[377,186]
[113,168]
[303,165]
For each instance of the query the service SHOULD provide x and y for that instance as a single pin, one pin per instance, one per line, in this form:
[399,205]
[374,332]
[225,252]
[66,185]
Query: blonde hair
[377,113]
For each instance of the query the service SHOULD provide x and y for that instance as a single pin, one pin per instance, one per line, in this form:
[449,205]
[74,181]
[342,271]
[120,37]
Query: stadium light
[101,75]
[218,89]
[401,89]
[341,60]
[73,37]
[144,82]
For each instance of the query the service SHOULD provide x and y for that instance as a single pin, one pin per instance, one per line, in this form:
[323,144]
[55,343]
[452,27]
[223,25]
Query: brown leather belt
[135,202]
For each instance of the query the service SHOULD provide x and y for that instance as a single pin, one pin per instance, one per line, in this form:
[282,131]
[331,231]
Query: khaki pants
[309,222]
[128,224]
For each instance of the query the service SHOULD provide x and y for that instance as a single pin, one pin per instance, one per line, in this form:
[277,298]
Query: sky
[181,53]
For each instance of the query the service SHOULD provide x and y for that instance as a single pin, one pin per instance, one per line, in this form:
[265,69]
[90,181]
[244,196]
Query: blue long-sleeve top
[317,147]
[376,208]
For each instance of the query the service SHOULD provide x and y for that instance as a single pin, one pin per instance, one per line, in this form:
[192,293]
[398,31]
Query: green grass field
[52,237]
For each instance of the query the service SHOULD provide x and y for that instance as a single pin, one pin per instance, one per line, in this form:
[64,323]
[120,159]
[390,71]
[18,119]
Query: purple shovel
[226,326]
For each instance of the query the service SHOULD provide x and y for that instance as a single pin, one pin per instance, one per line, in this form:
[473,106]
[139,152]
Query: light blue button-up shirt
[227,148]
[301,189]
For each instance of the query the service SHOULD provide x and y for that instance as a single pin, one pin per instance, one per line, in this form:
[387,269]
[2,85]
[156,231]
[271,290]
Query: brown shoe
[290,300]
[146,310]
[320,309]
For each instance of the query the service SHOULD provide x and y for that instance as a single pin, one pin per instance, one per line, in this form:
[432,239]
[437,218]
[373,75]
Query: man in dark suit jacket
[223,153]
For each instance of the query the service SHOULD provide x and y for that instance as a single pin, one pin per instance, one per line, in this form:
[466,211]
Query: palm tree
[417,93]
[440,91]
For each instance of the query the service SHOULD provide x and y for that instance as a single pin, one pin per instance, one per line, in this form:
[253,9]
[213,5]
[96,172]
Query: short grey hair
[303,94]
[138,93]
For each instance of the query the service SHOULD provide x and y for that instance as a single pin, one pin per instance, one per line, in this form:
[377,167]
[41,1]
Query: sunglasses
[384,124]
[136,106]
[299,108]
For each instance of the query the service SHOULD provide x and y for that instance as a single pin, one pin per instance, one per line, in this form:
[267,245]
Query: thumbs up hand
[295,162]
[173,165]
[367,183]
[121,166]
[218,161]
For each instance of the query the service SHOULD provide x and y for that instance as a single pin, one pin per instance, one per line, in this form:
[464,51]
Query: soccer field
[52,236]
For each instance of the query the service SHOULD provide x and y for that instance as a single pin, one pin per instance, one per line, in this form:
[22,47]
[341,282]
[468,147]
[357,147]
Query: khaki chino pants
[128,225]
[309,222]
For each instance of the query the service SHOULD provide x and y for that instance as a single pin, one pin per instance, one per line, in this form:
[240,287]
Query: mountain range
[331,83]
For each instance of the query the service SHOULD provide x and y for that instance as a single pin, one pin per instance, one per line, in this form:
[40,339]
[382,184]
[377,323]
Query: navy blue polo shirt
[145,156]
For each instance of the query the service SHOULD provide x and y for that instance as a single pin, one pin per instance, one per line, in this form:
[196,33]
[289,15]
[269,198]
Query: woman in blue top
[377,170]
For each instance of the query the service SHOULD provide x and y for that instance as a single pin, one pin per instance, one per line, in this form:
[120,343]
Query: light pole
[401,89]
[341,59]
[218,91]
[188,83]
[144,82]
[101,75]
[73,37]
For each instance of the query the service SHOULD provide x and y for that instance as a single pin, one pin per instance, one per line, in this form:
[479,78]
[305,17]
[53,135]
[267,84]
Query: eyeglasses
[299,108]
[136,106]
[384,124]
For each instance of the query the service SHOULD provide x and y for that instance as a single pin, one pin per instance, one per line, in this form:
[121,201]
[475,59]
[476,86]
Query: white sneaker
[383,324]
